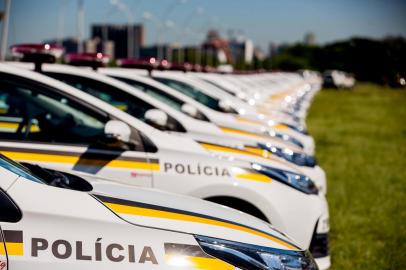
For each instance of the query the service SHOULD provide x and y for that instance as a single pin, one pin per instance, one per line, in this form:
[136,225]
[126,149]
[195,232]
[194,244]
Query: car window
[154,92]
[108,93]
[161,95]
[219,87]
[30,111]
[114,96]
[192,92]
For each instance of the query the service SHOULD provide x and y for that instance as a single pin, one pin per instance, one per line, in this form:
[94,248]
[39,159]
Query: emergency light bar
[143,63]
[37,53]
[93,60]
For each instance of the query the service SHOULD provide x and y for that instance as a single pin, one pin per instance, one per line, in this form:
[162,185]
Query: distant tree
[379,61]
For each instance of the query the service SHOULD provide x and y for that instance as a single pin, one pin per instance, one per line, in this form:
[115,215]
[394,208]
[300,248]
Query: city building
[217,46]
[96,45]
[70,44]
[242,49]
[310,39]
[128,39]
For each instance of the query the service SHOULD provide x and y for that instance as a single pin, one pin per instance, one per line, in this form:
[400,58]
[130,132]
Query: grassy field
[361,143]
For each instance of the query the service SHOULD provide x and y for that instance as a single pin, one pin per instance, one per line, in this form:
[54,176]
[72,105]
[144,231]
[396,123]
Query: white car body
[229,144]
[271,92]
[115,227]
[230,123]
[249,124]
[225,144]
[164,161]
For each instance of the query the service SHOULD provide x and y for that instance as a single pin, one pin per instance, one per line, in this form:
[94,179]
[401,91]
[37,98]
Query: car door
[3,255]
[10,240]
[39,124]
[48,228]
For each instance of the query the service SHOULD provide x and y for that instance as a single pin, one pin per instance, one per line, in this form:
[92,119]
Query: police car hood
[167,211]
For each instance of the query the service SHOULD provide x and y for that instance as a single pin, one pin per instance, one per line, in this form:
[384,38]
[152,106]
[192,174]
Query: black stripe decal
[173,210]
[185,250]
[13,236]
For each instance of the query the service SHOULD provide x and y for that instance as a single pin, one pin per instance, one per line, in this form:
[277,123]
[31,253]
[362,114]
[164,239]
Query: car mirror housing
[225,105]
[156,117]
[190,110]
[118,130]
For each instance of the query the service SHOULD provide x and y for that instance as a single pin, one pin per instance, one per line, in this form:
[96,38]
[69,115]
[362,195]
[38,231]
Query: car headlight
[252,257]
[299,129]
[285,137]
[298,181]
[300,159]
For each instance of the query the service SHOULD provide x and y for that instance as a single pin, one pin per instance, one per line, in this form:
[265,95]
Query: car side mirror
[225,105]
[118,130]
[190,110]
[156,118]
[9,211]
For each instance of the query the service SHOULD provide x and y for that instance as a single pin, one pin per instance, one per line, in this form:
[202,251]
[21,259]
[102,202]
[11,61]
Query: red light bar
[93,60]
[36,53]
[145,63]
[21,50]
[164,64]
[197,68]
[181,67]
[209,69]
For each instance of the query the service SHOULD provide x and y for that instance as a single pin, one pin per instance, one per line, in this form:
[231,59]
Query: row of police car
[147,166]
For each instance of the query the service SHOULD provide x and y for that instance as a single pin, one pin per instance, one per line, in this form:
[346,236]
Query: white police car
[54,220]
[47,122]
[164,117]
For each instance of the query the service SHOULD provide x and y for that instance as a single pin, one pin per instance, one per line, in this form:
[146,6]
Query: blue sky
[261,20]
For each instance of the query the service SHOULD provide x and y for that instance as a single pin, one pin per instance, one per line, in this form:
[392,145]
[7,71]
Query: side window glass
[159,94]
[28,112]
[116,97]
[156,93]
[192,92]
[108,93]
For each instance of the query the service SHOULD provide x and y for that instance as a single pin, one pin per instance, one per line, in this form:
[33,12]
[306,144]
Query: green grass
[361,144]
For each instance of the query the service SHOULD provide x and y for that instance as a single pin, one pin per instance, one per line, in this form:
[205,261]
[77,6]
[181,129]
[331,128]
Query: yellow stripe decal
[197,263]
[258,151]
[241,132]
[254,177]
[220,148]
[280,126]
[250,121]
[139,211]
[14,126]
[13,249]
[75,159]
[2,250]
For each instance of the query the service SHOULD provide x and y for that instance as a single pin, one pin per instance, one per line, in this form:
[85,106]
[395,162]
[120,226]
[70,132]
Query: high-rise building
[310,39]
[242,49]
[218,46]
[128,39]
[70,44]
[96,45]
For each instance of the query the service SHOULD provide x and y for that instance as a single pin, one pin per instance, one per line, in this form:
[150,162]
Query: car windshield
[192,92]
[154,92]
[18,169]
